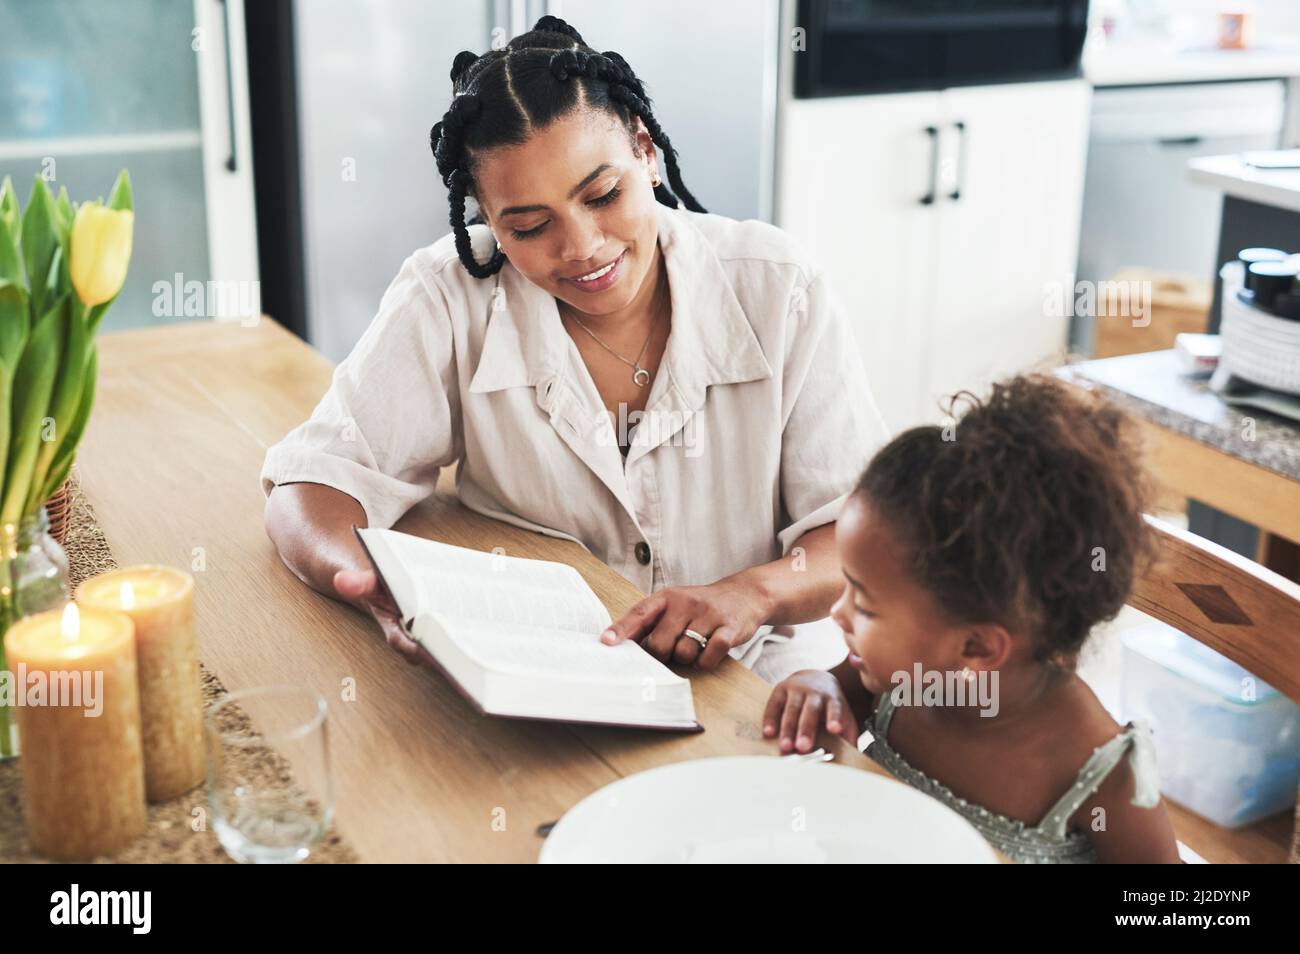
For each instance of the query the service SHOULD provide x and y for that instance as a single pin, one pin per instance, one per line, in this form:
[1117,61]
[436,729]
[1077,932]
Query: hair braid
[623,89]
[447,141]
[623,93]
[550,24]
[463,61]
[464,248]
[625,75]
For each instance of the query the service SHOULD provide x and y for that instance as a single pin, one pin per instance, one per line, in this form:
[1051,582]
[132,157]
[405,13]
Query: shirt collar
[712,341]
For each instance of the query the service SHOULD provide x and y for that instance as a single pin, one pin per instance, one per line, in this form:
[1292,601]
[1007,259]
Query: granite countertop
[1152,387]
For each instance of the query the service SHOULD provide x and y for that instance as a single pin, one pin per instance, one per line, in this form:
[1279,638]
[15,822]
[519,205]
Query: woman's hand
[726,614]
[362,590]
[801,704]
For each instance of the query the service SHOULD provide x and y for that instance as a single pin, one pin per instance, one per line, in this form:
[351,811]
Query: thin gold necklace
[640,376]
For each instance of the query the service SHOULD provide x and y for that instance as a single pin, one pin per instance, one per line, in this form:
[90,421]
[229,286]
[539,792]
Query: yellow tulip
[101,251]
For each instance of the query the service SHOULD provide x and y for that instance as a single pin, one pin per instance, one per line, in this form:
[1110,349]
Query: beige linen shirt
[758,422]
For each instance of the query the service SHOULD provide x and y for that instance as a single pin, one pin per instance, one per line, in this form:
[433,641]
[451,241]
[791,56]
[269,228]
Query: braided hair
[503,96]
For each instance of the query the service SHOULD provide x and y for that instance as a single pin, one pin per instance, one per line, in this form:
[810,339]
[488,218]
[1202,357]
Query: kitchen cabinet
[1139,208]
[944,220]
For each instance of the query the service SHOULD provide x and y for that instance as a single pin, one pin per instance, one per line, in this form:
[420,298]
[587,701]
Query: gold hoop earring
[655,181]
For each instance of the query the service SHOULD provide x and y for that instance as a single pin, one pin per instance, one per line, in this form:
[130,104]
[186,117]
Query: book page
[470,585]
[559,655]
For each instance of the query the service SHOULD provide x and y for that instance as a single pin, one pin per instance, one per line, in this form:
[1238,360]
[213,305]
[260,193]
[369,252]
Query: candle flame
[126,595]
[70,625]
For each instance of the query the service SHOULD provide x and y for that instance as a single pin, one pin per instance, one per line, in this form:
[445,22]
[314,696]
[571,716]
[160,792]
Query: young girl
[977,558]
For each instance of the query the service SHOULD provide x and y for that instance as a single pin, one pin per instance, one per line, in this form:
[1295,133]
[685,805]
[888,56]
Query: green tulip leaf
[122,197]
[68,446]
[40,239]
[66,212]
[66,397]
[57,280]
[10,212]
[11,266]
[33,385]
[6,396]
[13,324]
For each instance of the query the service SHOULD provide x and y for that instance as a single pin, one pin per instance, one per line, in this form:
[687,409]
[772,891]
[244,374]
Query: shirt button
[643,553]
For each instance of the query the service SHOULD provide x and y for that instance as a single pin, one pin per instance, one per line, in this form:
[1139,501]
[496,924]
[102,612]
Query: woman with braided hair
[601,360]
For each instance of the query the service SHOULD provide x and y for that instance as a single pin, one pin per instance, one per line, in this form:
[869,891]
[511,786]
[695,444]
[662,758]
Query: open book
[521,638]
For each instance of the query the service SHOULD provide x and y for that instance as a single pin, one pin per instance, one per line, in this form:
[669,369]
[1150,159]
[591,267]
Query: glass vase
[33,578]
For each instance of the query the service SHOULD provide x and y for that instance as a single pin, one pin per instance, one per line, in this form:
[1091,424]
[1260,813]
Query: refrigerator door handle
[231,163]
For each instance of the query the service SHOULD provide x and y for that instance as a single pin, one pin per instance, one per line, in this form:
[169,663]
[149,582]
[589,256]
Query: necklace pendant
[640,377]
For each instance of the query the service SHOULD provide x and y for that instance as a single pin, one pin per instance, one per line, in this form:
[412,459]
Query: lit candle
[82,761]
[160,601]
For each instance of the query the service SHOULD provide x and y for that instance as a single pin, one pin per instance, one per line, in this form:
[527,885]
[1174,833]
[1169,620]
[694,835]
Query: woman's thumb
[352,584]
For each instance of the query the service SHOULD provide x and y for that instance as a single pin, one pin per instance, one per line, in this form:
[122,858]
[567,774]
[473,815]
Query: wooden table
[183,416]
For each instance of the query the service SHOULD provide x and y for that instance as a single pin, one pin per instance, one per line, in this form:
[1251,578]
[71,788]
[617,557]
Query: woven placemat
[169,835]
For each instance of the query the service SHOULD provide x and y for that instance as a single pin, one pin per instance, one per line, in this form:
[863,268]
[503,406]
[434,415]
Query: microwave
[849,47]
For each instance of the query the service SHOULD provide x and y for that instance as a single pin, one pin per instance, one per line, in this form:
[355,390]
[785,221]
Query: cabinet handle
[1180,141]
[960,126]
[230,87]
[933,133]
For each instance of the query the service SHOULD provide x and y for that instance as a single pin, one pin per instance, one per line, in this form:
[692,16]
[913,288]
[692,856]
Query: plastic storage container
[1228,744]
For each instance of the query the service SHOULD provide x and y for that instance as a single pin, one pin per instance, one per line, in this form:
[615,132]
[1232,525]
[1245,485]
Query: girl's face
[889,621]
[572,201]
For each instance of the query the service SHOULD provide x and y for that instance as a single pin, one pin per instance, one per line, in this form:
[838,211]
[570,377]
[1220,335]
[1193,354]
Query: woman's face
[572,201]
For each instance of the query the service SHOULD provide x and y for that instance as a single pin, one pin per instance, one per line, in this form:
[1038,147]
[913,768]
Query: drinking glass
[269,787]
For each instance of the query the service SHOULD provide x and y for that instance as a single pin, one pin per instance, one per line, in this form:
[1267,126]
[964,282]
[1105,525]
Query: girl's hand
[362,590]
[726,614]
[801,704]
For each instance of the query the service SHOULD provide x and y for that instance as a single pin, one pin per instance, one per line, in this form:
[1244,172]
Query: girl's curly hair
[1024,510]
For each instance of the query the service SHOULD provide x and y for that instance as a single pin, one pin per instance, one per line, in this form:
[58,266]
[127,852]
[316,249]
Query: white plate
[762,809]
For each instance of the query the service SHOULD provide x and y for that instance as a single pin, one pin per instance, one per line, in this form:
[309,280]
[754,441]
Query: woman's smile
[601,278]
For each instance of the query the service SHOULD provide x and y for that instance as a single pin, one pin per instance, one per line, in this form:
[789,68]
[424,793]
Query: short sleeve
[832,425]
[390,420]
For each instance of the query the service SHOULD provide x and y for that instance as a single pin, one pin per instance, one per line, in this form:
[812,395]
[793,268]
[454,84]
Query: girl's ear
[987,646]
